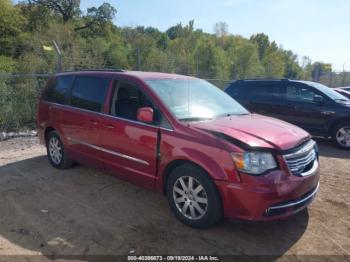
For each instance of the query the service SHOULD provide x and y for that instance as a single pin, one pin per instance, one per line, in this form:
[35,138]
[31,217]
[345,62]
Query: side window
[57,89]
[127,99]
[265,91]
[299,94]
[89,93]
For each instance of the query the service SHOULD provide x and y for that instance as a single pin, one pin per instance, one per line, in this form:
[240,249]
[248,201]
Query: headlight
[254,163]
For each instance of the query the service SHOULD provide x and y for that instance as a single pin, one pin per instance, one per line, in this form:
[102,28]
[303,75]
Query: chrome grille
[302,158]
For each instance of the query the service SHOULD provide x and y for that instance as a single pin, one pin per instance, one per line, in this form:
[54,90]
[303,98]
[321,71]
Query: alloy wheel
[190,197]
[343,136]
[55,150]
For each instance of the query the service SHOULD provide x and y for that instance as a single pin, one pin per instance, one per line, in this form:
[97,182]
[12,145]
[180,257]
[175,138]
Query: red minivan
[181,136]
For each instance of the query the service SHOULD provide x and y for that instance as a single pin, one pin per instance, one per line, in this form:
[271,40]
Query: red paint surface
[243,196]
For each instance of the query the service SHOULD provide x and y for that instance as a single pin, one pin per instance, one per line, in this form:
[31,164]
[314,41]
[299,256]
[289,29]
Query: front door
[130,146]
[303,111]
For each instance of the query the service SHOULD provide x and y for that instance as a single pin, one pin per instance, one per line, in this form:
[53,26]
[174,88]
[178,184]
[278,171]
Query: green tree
[306,68]
[7,64]
[273,62]
[37,17]
[67,9]
[244,59]
[174,31]
[320,68]
[292,68]
[97,18]
[117,52]
[271,58]
[11,24]
[210,60]
[263,43]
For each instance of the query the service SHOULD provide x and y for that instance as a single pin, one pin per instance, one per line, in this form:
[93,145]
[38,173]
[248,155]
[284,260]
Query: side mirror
[318,99]
[145,114]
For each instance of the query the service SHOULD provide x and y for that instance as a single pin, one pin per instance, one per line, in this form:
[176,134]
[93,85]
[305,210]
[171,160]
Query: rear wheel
[56,152]
[193,197]
[341,135]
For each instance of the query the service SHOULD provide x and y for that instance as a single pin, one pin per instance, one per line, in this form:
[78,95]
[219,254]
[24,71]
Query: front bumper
[291,206]
[275,195]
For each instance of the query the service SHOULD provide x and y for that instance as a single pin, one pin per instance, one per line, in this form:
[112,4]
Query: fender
[331,124]
[217,165]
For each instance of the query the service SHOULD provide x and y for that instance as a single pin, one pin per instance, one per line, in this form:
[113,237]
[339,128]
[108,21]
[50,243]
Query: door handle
[94,122]
[327,112]
[110,126]
[292,106]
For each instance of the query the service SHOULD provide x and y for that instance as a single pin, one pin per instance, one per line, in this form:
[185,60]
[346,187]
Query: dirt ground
[80,211]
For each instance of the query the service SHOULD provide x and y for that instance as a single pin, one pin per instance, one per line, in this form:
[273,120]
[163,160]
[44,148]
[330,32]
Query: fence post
[59,57]
[330,79]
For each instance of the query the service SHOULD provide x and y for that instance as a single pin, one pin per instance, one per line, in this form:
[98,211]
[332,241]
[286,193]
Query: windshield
[334,95]
[195,99]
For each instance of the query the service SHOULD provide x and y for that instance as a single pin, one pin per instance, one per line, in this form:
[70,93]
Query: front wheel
[193,197]
[341,135]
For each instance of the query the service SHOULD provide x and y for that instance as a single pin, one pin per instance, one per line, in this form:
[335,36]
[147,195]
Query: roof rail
[96,70]
[264,79]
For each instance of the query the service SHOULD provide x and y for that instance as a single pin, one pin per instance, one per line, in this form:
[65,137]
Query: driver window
[299,94]
[127,99]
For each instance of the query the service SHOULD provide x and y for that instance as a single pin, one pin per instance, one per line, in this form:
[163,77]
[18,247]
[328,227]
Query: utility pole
[343,82]
[138,57]
[197,67]
[59,57]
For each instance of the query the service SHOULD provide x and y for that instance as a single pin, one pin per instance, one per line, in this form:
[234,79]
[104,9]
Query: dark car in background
[345,91]
[312,106]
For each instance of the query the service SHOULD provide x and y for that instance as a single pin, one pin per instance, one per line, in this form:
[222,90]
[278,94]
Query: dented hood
[256,131]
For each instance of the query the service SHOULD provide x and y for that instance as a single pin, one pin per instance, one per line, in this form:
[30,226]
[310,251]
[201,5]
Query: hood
[256,131]
[343,92]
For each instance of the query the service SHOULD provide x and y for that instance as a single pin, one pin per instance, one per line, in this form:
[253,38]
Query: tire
[196,206]
[341,135]
[56,152]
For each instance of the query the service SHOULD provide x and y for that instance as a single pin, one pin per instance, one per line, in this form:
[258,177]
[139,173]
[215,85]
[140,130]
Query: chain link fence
[18,100]
[334,79]
[19,95]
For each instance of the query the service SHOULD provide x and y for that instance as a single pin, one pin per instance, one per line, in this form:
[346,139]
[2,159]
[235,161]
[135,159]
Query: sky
[319,29]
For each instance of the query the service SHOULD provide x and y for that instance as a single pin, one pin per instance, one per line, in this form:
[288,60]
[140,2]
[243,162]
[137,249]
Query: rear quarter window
[89,93]
[57,89]
[265,91]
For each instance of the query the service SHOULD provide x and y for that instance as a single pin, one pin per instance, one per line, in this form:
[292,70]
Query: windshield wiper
[233,114]
[195,118]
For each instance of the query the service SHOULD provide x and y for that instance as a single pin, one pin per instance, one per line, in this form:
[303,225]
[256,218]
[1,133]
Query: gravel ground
[81,211]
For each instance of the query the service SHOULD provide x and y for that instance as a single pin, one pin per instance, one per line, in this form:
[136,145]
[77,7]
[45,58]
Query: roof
[156,75]
[139,74]
[273,79]
[264,79]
